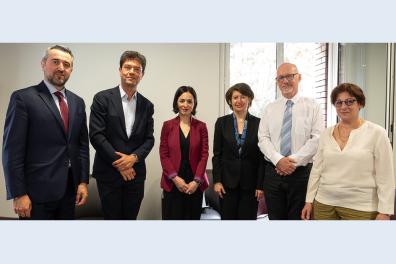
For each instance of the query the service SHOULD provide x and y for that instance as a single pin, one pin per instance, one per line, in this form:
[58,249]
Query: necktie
[285,146]
[63,109]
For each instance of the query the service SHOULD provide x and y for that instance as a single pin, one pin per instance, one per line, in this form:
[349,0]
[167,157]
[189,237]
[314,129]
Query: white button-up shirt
[307,124]
[53,90]
[129,108]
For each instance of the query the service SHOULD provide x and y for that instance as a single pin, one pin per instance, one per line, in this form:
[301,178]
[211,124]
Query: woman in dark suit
[183,154]
[238,164]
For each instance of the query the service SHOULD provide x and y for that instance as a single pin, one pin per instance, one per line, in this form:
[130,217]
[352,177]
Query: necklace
[345,139]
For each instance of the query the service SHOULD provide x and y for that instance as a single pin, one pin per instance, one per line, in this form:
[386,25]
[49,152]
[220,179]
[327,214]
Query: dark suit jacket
[107,133]
[232,171]
[170,153]
[36,150]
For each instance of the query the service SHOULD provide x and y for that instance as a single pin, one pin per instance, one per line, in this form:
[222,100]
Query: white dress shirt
[53,90]
[307,124]
[360,177]
[129,108]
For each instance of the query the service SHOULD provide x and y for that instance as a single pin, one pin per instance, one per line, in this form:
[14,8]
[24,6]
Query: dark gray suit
[38,156]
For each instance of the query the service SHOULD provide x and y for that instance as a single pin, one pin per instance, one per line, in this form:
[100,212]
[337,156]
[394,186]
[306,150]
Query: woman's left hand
[382,217]
[192,187]
[259,194]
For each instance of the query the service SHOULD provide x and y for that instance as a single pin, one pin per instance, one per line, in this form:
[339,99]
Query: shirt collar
[246,118]
[124,94]
[52,89]
[294,99]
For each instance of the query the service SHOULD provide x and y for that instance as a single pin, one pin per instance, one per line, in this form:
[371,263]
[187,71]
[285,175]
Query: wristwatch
[135,156]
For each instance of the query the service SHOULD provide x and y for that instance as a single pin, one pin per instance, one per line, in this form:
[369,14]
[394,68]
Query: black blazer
[36,149]
[230,169]
[107,133]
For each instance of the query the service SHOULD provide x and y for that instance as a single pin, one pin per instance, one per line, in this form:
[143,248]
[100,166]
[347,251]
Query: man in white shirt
[288,137]
[121,130]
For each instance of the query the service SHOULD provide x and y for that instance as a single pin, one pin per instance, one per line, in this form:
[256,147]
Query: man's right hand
[285,166]
[23,206]
[125,161]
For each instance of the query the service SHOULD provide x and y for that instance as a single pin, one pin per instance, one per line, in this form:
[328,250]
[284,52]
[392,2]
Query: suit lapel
[117,104]
[193,134]
[176,135]
[46,96]
[138,112]
[230,130]
[71,104]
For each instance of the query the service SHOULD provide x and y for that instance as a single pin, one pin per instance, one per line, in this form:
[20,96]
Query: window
[366,64]
[256,63]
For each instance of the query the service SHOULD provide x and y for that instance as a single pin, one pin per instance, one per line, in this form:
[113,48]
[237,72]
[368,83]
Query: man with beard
[288,137]
[121,131]
[45,144]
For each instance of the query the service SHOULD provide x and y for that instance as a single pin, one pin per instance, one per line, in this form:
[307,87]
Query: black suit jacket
[36,149]
[230,169]
[107,133]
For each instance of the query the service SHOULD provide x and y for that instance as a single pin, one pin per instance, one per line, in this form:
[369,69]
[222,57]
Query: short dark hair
[243,88]
[57,47]
[350,88]
[179,92]
[133,55]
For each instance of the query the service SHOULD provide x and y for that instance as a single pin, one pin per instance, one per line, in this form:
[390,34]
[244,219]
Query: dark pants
[285,195]
[238,204]
[180,206]
[62,209]
[121,200]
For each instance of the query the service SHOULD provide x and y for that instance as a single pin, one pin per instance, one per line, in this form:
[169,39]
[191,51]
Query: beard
[57,79]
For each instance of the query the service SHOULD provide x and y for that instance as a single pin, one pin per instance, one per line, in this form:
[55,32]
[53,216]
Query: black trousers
[238,204]
[285,195]
[180,206]
[121,200]
[63,209]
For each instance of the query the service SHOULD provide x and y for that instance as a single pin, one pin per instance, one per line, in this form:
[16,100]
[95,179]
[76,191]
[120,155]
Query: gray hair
[57,47]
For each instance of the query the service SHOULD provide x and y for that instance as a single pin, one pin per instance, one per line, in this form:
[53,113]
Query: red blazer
[170,152]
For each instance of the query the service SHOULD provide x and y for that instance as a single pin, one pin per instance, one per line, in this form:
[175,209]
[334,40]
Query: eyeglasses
[133,69]
[288,77]
[347,102]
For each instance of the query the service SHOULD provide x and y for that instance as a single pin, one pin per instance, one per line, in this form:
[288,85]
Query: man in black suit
[121,130]
[45,144]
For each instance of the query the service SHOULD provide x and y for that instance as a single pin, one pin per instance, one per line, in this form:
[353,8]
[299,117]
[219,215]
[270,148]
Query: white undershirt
[129,108]
[53,90]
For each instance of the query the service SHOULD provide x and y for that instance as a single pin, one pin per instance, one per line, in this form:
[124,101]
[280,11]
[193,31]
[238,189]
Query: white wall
[96,68]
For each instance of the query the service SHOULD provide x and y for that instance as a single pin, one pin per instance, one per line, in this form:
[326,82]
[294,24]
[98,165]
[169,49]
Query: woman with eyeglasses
[184,154]
[238,164]
[352,177]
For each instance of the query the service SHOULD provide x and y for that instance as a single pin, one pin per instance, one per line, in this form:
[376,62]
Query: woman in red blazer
[184,154]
